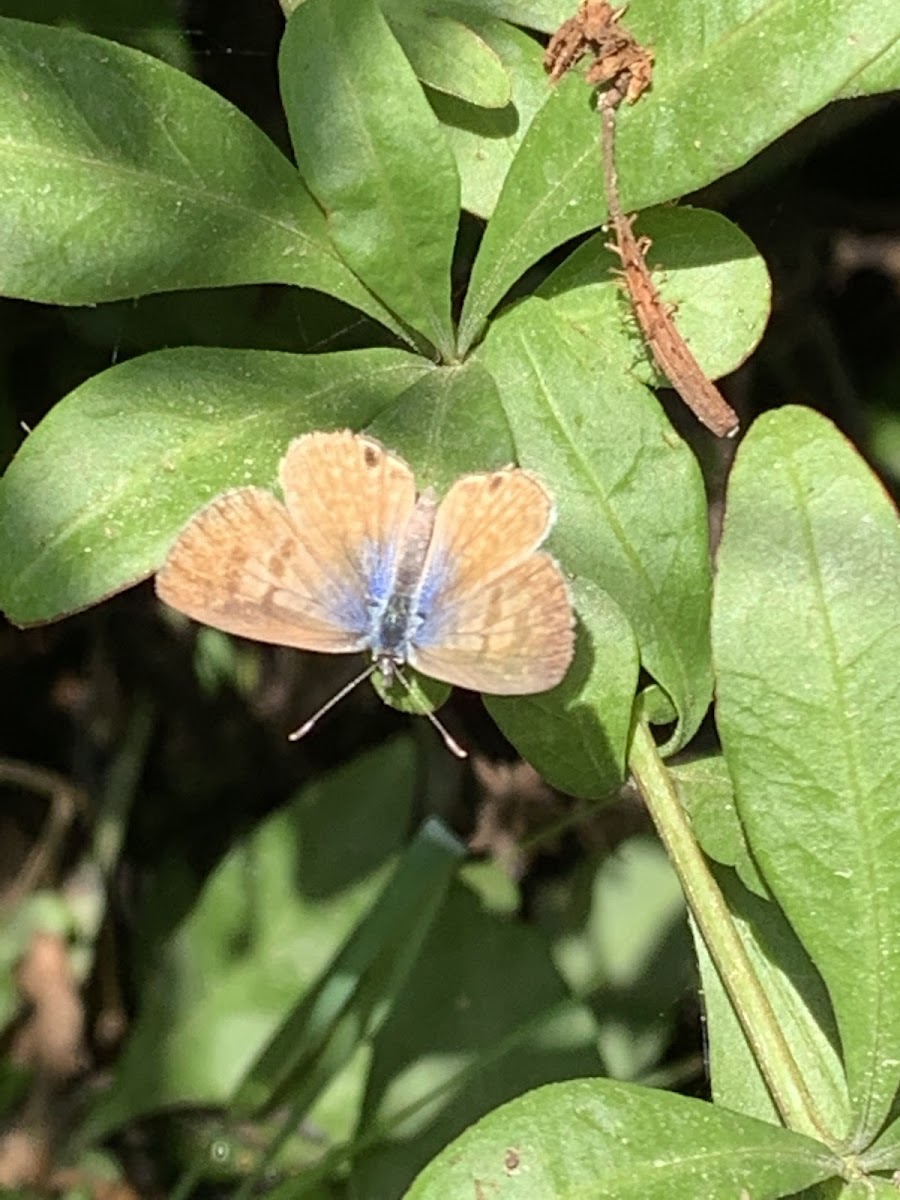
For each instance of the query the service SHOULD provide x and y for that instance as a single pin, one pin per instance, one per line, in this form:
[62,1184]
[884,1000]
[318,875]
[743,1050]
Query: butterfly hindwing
[512,637]
[497,615]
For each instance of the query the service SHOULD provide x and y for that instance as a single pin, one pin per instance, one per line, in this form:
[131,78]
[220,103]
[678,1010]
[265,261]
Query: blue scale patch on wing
[434,612]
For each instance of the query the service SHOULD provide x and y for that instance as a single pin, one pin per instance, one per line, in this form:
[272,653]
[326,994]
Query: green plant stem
[751,1005]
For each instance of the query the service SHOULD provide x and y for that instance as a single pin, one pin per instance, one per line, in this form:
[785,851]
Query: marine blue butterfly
[355,560]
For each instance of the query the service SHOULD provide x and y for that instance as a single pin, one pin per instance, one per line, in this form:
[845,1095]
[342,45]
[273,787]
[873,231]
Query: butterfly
[355,560]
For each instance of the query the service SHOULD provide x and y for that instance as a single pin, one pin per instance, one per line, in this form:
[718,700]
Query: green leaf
[447,422]
[372,153]
[269,921]
[620,937]
[704,266]
[801,1006]
[422,696]
[806,647]
[120,175]
[447,55]
[151,25]
[484,141]
[614,1141]
[484,1016]
[98,491]
[350,1001]
[683,134]
[544,15]
[576,735]
[882,75]
[630,498]
[706,792]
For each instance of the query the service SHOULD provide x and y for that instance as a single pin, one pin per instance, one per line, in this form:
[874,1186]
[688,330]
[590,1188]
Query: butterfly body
[395,596]
[354,560]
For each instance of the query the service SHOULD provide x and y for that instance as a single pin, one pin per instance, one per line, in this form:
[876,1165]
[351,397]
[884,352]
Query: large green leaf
[727,81]
[614,1141]
[484,1016]
[447,55]
[120,175]
[801,1006]
[448,421]
[709,273]
[266,927]
[806,645]
[632,509]
[373,154]
[485,140]
[98,491]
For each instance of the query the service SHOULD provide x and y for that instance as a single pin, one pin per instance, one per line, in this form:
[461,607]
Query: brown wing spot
[371,456]
[279,557]
[495,481]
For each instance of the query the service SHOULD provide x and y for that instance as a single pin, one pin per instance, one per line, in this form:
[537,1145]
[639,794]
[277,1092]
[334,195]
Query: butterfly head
[388,666]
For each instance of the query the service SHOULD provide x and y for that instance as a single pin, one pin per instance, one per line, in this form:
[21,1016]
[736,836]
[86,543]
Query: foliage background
[177,743]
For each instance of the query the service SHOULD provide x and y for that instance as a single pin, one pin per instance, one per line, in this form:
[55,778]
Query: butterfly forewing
[485,524]
[350,502]
[237,565]
[497,616]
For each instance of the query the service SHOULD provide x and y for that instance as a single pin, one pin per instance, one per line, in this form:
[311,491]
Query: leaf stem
[751,1004]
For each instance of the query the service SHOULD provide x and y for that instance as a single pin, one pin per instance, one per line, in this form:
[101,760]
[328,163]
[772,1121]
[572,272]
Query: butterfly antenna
[329,704]
[450,742]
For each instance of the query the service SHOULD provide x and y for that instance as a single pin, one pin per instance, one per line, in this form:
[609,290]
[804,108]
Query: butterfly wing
[497,615]
[300,573]
[237,566]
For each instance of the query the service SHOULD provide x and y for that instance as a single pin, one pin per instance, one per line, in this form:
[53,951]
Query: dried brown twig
[618,59]
[625,69]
